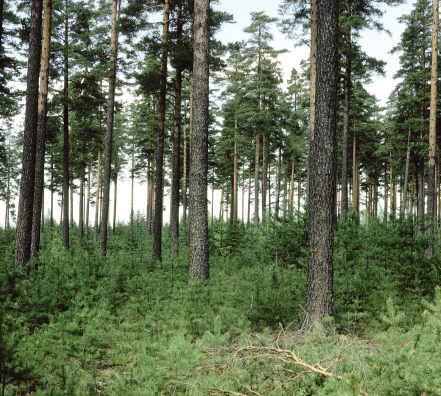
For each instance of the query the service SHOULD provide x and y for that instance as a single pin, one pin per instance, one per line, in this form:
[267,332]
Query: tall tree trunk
[199,259]
[264,175]
[347,95]
[159,160]
[279,177]
[147,212]
[312,82]
[421,164]
[88,198]
[41,129]
[249,195]
[256,180]
[71,183]
[115,184]
[406,174]
[391,190]
[132,191]
[26,200]
[354,174]
[322,166]
[291,191]
[8,187]
[109,128]
[431,177]
[176,161]
[184,172]
[66,131]
[235,177]
[81,203]
[97,197]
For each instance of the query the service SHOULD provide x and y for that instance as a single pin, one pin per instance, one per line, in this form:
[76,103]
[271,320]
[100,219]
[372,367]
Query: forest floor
[81,324]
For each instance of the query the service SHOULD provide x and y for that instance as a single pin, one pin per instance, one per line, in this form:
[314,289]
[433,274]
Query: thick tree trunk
[176,161]
[159,160]
[109,129]
[26,200]
[41,129]
[431,176]
[199,259]
[97,197]
[322,166]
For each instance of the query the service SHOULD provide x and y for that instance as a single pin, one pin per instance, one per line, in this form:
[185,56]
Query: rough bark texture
[322,165]
[26,201]
[109,130]
[159,159]
[41,128]
[66,136]
[176,161]
[431,176]
[199,261]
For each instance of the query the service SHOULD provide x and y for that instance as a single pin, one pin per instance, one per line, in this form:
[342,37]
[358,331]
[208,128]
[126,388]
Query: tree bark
[109,129]
[256,180]
[347,99]
[312,80]
[159,160]
[184,172]
[97,197]
[322,166]
[431,176]
[199,259]
[176,161]
[406,173]
[41,128]
[26,200]
[66,133]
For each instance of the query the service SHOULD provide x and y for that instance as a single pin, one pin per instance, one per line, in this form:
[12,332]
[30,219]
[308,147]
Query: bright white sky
[373,43]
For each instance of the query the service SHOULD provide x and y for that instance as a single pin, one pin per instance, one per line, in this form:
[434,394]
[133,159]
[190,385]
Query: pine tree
[322,168]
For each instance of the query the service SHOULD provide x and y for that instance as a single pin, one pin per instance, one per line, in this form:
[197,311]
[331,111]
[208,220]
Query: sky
[376,44]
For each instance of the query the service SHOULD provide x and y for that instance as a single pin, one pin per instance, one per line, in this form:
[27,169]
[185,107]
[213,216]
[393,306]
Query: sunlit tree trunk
[41,129]
[322,167]
[109,129]
[159,159]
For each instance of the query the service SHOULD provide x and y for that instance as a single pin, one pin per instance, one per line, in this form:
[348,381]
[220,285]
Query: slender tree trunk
[81,203]
[66,132]
[86,229]
[312,81]
[184,173]
[354,174]
[149,203]
[391,190]
[159,160]
[41,129]
[109,128]
[322,167]
[249,196]
[256,180]
[347,99]
[406,173]
[235,174]
[26,200]
[431,177]
[71,201]
[132,191]
[279,177]
[421,165]
[8,188]
[115,184]
[264,175]
[291,192]
[176,164]
[97,198]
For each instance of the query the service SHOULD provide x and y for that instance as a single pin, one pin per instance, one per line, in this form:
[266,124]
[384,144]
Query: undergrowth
[76,323]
